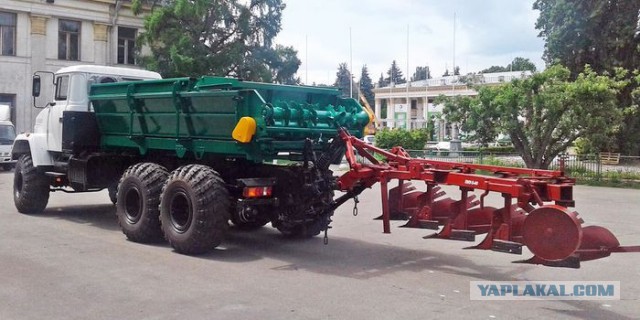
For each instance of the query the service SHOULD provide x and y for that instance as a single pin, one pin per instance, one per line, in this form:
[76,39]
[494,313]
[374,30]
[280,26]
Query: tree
[518,64]
[600,34]
[543,114]
[366,86]
[456,71]
[446,73]
[382,82]
[421,73]
[471,114]
[494,69]
[343,80]
[521,64]
[394,74]
[220,37]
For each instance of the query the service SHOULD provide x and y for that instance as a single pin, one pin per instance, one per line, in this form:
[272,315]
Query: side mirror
[35,87]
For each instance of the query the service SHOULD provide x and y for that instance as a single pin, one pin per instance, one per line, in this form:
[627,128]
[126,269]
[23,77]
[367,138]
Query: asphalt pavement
[72,262]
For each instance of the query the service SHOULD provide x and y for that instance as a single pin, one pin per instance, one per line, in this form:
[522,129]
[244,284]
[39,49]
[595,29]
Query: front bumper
[5,158]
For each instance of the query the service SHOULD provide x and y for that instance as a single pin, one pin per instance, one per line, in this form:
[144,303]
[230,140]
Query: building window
[8,34]
[69,40]
[126,45]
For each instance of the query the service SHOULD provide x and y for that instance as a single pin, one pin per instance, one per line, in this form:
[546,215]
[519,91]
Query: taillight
[257,192]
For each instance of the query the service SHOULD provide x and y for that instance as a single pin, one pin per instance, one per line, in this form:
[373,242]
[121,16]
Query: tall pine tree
[217,37]
[394,74]
[366,85]
[343,80]
[421,73]
[382,82]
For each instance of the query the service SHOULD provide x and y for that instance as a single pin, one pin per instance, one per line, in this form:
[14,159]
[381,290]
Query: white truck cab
[70,93]
[7,135]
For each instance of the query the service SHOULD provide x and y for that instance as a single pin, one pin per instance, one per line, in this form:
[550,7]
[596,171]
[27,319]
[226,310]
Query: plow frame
[544,195]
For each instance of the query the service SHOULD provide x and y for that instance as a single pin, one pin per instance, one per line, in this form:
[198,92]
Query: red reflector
[256,192]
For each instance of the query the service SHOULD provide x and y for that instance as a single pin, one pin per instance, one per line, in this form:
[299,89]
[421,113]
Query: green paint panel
[196,117]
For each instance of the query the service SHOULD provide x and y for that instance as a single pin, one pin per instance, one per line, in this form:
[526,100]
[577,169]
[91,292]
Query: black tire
[137,200]
[30,187]
[194,209]
[113,194]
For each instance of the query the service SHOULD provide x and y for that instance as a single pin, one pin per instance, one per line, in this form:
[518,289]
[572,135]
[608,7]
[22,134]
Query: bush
[410,140]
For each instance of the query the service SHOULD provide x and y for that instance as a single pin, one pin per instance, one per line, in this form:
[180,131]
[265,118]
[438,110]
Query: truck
[7,134]
[183,157]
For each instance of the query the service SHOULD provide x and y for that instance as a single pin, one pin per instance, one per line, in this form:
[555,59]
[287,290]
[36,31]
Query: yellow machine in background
[373,124]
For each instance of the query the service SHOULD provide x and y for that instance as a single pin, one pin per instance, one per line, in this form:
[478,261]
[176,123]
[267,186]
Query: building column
[420,115]
[409,113]
[100,48]
[26,115]
[391,123]
[378,108]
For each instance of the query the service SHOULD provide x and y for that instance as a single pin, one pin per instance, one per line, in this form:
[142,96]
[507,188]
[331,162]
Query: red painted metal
[552,232]
[539,218]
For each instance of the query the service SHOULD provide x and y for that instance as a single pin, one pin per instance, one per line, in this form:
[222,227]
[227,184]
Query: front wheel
[30,187]
[194,209]
[113,193]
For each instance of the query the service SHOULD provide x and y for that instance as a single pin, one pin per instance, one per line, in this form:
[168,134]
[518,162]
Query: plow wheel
[552,232]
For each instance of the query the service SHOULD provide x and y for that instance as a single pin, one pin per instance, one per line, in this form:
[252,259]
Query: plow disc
[535,212]
[552,232]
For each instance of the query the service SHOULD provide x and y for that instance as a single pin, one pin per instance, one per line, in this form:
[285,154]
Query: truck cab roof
[119,71]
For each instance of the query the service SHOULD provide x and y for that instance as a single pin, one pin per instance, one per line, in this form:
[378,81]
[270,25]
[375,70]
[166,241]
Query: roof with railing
[472,78]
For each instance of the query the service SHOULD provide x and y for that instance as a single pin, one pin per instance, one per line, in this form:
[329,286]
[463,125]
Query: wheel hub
[180,211]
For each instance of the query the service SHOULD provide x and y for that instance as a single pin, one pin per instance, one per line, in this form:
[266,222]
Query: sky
[487,32]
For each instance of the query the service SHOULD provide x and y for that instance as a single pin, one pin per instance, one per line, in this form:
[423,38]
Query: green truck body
[196,117]
[182,158]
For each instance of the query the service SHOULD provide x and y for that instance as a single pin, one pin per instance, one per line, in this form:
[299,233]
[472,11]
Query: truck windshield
[7,134]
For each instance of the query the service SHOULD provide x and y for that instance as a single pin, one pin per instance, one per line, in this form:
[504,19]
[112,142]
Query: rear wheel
[30,187]
[137,200]
[194,209]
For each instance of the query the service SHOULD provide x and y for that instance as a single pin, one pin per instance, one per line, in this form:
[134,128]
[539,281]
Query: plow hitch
[534,211]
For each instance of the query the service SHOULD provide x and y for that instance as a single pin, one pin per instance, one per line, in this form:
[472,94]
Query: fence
[585,168]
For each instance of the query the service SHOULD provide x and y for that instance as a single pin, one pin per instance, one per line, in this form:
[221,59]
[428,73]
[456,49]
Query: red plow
[534,213]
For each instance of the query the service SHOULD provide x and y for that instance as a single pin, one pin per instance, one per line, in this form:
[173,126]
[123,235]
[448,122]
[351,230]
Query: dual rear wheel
[189,207]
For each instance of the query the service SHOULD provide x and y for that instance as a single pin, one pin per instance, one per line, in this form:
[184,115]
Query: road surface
[72,262]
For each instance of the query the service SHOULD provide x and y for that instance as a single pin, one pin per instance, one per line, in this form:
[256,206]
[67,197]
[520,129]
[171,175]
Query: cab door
[54,122]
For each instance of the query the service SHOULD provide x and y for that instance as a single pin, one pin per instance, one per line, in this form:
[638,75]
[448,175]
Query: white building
[406,107]
[46,35]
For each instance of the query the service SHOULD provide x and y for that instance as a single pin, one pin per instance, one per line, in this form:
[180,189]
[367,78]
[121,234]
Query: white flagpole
[350,66]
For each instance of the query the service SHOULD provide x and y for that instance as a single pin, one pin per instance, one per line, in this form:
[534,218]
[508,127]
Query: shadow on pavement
[342,257]
[100,215]
[347,257]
